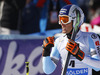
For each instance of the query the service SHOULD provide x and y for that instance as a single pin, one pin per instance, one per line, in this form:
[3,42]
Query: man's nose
[62,25]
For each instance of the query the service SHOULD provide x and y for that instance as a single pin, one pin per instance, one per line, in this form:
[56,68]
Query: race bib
[81,71]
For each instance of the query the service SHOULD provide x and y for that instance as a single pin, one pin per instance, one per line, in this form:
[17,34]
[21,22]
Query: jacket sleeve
[94,60]
[50,62]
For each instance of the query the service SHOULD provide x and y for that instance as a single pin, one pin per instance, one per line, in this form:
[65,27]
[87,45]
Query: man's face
[66,23]
[66,28]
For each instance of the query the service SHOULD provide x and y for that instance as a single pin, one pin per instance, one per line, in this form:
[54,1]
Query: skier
[85,50]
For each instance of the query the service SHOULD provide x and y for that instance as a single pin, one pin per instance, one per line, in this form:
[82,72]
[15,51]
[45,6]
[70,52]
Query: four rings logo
[93,36]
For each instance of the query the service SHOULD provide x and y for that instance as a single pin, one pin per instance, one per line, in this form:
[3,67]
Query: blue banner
[14,54]
[74,71]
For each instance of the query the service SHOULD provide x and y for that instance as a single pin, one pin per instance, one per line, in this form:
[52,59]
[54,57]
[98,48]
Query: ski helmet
[74,13]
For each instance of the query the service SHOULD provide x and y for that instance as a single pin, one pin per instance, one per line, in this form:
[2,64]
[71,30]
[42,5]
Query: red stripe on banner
[67,1]
[40,3]
[87,29]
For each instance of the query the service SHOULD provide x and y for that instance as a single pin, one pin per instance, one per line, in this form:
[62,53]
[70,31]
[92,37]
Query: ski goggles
[64,19]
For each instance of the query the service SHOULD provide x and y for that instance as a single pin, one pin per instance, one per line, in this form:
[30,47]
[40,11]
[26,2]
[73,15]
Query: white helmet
[74,13]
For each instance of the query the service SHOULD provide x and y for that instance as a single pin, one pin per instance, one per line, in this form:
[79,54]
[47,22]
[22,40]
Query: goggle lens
[63,19]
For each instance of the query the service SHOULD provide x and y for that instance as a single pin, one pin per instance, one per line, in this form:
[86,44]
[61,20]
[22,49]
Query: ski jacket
[88,42]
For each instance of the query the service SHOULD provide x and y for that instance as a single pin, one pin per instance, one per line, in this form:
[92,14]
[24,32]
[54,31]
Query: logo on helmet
[63,11]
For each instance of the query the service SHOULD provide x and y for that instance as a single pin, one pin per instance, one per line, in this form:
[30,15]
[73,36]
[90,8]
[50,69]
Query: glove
[47,44]
[74,49]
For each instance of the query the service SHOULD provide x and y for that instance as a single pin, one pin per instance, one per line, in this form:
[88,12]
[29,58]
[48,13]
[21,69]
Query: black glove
[47,44]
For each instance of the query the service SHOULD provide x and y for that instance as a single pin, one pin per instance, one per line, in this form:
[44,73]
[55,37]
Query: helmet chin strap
[69,34]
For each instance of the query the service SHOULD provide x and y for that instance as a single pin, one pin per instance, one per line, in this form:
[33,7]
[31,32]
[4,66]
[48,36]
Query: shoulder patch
[94,36]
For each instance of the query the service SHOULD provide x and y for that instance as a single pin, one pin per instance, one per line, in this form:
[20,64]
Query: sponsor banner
[14,54]
[82,71]
[85,27]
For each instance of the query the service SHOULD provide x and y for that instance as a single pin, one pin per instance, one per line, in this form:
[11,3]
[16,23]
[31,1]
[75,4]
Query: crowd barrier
[15,50]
